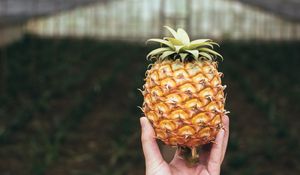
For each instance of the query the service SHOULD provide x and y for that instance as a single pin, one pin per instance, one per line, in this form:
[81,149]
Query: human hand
[209,161]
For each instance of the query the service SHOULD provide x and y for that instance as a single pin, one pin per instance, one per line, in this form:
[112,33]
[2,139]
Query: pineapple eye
[210,76]
[193,104]
[204,133]
[207,92]
[168,83]
[166,69]
[179,114]
[200,118]
[187,88]
[220,96]
[154,76]
[207,70]
[186,131]
[152,116]
[181,74]
[156,91]
[147,99]
[161,134]
[193,70]
[200,78]
[200,86]
[167,124]
[215,81]
[216,120]
[213,106]
[161,108]
[177,65]
[174,98]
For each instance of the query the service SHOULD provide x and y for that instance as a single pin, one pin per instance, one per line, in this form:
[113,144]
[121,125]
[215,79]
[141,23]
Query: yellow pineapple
[183,95]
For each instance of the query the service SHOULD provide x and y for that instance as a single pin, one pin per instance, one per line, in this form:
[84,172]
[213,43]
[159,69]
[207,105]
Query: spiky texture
[180,47]
[183,94]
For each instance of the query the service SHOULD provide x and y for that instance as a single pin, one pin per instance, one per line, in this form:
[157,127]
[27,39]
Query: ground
[69,106]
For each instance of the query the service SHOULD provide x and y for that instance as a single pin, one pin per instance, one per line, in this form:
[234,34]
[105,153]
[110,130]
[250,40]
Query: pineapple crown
[180,47]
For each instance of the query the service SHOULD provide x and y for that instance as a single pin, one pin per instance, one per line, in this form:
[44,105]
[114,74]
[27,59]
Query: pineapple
[183,95]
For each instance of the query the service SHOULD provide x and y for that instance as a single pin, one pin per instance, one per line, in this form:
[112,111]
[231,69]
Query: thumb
[151,150]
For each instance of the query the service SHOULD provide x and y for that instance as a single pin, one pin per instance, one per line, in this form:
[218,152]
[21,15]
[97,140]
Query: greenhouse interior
[70,73]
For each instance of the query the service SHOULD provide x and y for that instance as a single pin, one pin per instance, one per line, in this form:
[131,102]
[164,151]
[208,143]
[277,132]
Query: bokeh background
[70,71]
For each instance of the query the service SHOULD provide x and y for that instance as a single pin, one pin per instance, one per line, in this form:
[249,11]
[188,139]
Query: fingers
[226,136]
[214,160]
[151,150]
[219,147]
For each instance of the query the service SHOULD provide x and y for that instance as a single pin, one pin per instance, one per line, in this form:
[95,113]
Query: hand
[209,161]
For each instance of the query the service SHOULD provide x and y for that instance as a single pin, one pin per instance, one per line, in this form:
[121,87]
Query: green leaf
[183,36]
[178,48]
[157,51]
[211,51]
[165,42]
[172,31]
[166,54]
[183,56]
[214,43]
[174,41]
[200,43]
[195,53]
[206,55]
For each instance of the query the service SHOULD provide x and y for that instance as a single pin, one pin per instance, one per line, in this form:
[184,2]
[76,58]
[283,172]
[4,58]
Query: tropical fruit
[183,94]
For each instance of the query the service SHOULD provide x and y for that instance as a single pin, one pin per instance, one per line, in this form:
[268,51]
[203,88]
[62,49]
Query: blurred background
[70,71]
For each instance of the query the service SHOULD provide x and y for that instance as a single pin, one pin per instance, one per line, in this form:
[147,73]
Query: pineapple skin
[184,101]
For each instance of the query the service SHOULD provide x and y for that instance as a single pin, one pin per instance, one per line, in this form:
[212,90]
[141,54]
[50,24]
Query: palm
[178,166]
[209,162]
